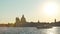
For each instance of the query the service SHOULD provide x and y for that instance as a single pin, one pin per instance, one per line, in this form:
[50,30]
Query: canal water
[29,30]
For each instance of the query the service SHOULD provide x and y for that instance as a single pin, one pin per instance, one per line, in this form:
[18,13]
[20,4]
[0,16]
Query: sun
[50,8]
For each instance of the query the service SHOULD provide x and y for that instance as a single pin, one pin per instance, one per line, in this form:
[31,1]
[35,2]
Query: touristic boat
[44,27]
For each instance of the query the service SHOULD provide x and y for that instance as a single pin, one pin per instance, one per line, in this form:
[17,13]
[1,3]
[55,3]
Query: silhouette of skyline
[23,23]
[34,10]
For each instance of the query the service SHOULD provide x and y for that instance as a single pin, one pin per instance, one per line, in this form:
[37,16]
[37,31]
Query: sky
[33,10]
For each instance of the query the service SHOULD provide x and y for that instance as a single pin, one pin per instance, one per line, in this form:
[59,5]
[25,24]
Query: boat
[43,27]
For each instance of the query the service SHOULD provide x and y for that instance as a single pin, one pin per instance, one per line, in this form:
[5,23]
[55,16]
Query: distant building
[55,20]
[23,20]
[17,21]
[38,21]
[20,22]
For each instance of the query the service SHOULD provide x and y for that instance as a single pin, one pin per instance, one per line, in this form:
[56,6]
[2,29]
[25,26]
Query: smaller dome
[17,18]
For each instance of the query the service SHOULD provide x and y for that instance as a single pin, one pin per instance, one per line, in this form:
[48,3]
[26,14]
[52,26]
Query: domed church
[20,22]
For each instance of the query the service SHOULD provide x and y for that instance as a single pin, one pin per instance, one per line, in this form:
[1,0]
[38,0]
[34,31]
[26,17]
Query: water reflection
[29,30]
[52,31]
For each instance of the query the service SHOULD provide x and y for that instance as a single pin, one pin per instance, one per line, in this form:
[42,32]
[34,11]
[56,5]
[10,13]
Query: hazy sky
[32,9]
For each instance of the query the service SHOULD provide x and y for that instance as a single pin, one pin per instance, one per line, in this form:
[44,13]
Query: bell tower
[55,20]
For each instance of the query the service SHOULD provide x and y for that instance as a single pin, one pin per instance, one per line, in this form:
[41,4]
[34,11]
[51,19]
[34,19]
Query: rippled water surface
[28,30]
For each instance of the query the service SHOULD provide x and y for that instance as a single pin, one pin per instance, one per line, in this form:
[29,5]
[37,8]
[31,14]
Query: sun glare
[50,9]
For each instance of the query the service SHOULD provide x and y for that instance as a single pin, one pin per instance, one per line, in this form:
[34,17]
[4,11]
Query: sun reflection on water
[51,31]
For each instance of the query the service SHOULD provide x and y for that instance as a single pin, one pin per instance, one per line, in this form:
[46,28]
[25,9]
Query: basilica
[23,23]
[20,22]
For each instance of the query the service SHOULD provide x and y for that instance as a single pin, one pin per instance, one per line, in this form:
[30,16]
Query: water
[28,30]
